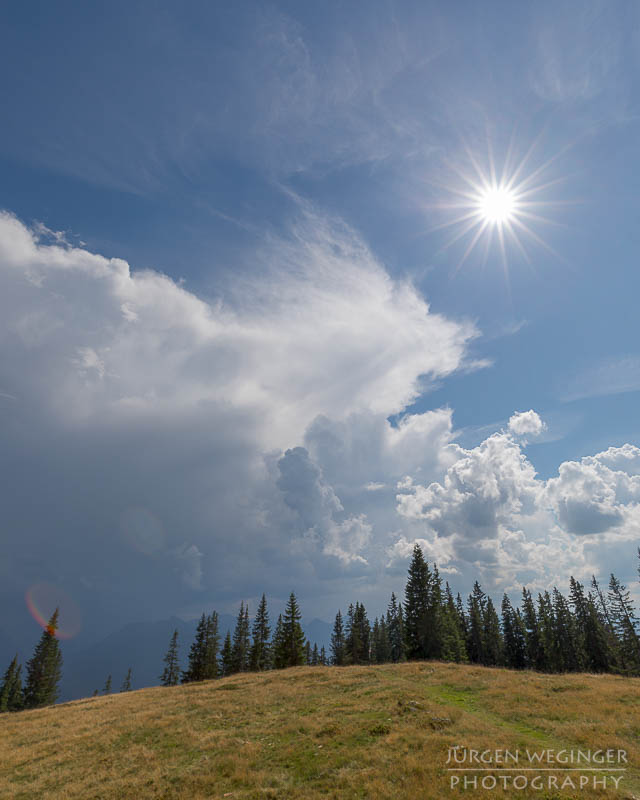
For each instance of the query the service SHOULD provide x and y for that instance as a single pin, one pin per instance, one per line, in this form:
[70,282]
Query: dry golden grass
[353,732]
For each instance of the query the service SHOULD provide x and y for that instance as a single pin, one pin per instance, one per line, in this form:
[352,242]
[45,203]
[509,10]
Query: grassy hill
[353,732]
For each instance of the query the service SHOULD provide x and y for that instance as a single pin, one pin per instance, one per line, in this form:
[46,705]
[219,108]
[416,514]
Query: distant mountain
[142,646]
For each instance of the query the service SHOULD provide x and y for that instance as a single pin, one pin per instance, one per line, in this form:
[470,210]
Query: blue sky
[288,168]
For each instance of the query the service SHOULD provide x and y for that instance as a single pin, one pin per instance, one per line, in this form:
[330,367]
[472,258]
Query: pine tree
[323,656]
[416,604]
[315,656]
[11,694]
[226,656]
[107,685]
[126,683]
[44,669]
[171,673]
[240,656]
[294,639]
[338,653]
[395,628]
[260,656]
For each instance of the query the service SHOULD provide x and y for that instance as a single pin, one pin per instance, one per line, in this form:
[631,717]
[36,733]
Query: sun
[497,205]
[488,205]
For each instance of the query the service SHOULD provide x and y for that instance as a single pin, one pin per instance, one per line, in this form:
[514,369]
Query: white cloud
[526,422]
[148,411]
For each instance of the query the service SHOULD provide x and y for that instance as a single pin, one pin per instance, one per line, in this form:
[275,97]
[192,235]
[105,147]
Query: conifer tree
[11,695]
[197,654]
[568,652]
[293,636]
[535,650]
[171,673]
[226,656]
[625,625]
[211,647]
[548,660]
[395,629]
[126,683]
[278,646]
[260,652]
[323,656]
[107,685]
[307,653]
[315,656]
[515,644]
[416,604]
[358,635]
[44,669]
[433,624]
[240,657]
[381,645]
[475,637]
[492,636]
[338,654]
[453,647]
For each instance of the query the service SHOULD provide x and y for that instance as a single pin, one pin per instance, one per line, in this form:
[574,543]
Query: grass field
[317,732]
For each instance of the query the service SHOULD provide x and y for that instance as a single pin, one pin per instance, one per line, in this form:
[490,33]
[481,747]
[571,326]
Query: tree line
[594,629]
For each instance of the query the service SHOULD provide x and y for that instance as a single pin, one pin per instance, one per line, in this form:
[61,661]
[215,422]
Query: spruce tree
[293,636]
[433,623]
[453,645]
[307,653]
[260,656]
[107,685]
[323,657]
[395,630]
[11,694]
[514,632]
[315,656]
[625,625]
[171,673]
[535,650]
[278,646]
[475,637]
[338,654]
[126,683]
[416,604]
[44,669]
[226,657]
[211,647]
[240,657]
[358,635]
[195,670]
[492,636]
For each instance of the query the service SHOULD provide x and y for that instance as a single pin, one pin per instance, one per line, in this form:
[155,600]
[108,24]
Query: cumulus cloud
[526,422]
[146,414]
[500,519]
[179,447]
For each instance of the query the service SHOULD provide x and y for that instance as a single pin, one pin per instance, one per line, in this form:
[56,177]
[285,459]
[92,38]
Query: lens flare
[42,599]
[486,205]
